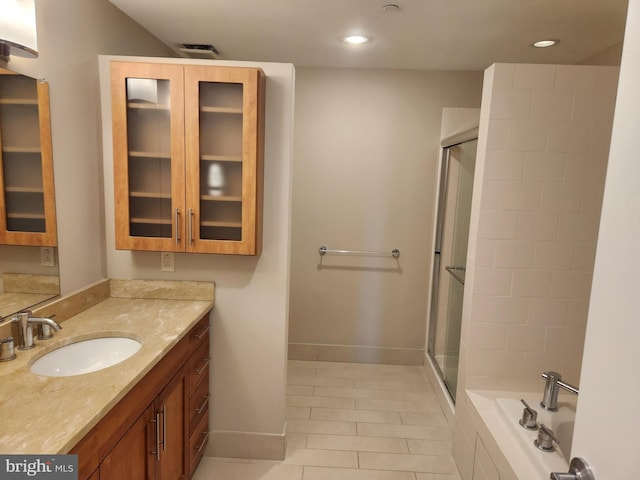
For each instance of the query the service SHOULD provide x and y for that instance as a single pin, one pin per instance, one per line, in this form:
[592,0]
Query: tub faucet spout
[552,387]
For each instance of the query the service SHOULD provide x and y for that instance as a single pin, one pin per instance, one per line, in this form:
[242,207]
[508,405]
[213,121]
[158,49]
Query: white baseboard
[264,446]
[356,354]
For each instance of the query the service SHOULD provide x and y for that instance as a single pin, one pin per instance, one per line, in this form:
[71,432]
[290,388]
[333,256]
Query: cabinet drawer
[199,366]
[198,442]
[198,405]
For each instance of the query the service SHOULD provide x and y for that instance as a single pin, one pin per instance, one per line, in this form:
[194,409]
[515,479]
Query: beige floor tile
[299,389]
[321,402]
[300,413]
[377,393]
[319,426]
[410,418]
[409,463]
[306,371]
[360,444]
[429,447]
[370,416]
[319,473]
[296,440]
[321,458]
[416,406]
[319,380]
[403,431]
[214,470]
[415,386]
[437,476]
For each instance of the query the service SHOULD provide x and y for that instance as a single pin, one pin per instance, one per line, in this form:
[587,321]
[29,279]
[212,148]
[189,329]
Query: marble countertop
[50,415]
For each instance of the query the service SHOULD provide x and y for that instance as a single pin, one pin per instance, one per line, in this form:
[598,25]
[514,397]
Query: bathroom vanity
[146,417]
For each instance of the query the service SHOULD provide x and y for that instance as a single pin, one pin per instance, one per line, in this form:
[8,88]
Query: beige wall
[366,160]
[249,321]
[71,34]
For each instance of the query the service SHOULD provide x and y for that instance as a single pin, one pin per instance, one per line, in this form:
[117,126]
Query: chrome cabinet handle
[190,226]
[177,226]
[157,450]
[198,336]
[164,427]
[204,442]
[204,404]
[206,364]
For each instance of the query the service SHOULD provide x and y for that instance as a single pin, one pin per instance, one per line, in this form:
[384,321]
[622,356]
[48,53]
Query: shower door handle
[457,272]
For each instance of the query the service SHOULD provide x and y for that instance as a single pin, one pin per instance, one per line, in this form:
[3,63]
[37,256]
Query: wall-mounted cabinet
[188,148]
[27,200]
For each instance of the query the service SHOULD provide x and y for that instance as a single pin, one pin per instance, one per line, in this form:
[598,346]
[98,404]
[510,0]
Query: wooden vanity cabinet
[27,200]
[147,435]
[188,154]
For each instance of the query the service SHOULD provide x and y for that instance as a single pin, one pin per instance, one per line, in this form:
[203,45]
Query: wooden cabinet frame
[187,156]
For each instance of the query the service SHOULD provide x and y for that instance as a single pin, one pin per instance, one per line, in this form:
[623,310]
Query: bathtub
[500,412]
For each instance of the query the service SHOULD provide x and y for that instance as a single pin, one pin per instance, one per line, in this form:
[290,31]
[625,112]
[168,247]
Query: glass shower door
[450,259]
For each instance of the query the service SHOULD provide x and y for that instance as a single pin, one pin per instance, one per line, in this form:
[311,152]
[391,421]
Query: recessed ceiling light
[544,43]
[356,39]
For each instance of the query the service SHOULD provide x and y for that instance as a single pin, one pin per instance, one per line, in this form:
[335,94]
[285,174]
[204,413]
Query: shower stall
[450,258]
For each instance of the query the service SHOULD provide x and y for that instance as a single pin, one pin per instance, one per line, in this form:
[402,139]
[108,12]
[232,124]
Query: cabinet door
[148,155]
[27,201]
[224,120]
[133,456]
[170,410]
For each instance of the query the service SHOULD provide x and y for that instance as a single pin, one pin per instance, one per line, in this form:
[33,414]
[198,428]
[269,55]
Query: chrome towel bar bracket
[395,253]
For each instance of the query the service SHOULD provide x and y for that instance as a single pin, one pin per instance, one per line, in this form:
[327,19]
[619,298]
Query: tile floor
[351,421]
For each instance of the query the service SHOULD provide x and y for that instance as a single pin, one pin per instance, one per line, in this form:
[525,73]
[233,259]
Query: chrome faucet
[552,387]
[25,329]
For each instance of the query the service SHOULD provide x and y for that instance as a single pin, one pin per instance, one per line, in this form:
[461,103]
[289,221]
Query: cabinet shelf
[19,101]
[151,221]
[21,150]
[137,154]
[149,195]
[221,158]
[24,190]
[222,224]
[231,110]
[26,216]
[147,106]
[221,198]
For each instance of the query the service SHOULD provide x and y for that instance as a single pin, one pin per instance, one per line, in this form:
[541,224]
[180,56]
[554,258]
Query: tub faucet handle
[529,417]
[545,439]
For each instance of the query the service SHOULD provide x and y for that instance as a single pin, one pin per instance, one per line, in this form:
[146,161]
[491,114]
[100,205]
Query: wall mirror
[28,235]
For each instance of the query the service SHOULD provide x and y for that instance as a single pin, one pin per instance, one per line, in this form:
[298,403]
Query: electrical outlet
[166,259]
[46,257]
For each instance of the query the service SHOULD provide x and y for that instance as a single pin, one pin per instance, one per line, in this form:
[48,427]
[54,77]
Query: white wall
[607,423]
[250,318]
[366,159]
[71,34]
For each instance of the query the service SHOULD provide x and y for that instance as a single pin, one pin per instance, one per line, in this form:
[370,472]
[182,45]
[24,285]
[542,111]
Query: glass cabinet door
[27,204]
[224,125]
[148,123]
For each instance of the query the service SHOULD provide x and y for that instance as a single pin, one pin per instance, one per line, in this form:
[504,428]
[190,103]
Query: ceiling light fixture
[544,43]
[390,8]
[356,39]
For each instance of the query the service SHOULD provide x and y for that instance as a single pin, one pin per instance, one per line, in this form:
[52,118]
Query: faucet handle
[7,351]
[545,439]
[529,417]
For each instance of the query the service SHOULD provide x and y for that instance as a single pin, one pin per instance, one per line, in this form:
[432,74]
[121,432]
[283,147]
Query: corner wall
[250,319]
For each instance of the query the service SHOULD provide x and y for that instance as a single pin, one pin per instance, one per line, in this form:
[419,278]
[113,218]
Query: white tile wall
[542,154]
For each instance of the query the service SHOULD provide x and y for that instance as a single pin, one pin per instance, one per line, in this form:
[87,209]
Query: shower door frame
[445,159]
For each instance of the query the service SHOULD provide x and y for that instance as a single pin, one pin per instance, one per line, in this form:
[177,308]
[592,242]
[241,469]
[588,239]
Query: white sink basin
[85,357]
